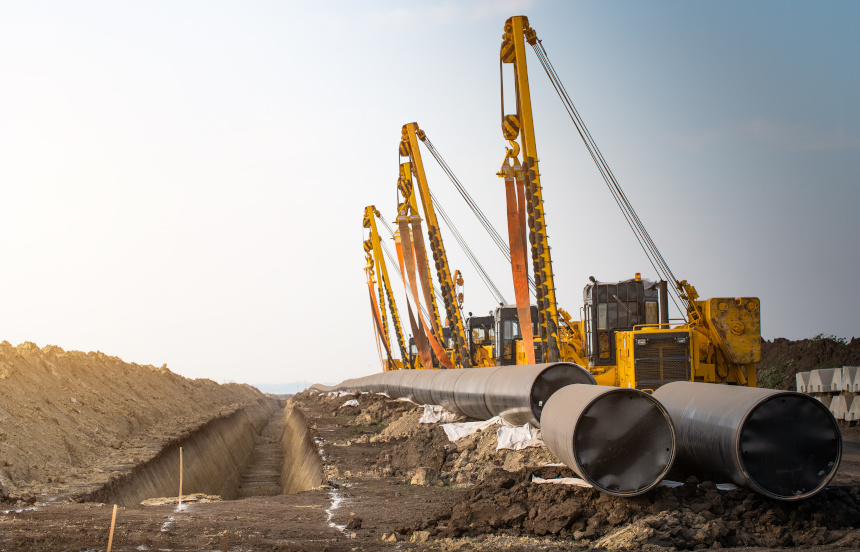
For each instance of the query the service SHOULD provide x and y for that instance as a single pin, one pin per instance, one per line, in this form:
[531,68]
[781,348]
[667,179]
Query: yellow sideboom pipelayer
[625,339]
[375,260]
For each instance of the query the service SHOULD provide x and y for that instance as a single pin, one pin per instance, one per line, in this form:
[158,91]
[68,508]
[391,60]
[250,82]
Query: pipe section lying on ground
[782,444]
[516,393]
[620,440]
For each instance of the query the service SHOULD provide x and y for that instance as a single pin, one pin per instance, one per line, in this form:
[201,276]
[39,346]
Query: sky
[183,182]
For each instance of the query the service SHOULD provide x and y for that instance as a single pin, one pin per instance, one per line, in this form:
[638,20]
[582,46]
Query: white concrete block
[838,407]
[854,410]
[828,380]
[824,399]
[802,381]
[849,374]
[856,384]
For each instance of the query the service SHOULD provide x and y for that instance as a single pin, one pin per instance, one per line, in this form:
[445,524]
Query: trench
[262,450]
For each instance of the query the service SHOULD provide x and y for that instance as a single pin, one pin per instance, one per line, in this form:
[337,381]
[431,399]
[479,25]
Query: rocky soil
[498,499]
[694,515]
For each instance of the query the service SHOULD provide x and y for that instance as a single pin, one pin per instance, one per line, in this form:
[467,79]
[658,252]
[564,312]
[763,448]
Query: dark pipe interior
[789,445]
[624,453]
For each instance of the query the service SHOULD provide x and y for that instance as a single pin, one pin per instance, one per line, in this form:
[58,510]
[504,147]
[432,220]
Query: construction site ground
[484,499]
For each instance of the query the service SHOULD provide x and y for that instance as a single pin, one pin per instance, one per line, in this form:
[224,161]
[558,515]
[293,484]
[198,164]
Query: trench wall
[302,468]
[213,459]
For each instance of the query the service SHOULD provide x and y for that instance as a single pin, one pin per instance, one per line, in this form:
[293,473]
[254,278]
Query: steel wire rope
[392,260]
[473,259]
[396,266]
[597,156]
[566,99]
[501,244]
[649,247]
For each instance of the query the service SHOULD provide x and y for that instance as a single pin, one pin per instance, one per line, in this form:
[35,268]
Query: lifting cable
[491,286]
[501,244]
[485,277]
[645,242]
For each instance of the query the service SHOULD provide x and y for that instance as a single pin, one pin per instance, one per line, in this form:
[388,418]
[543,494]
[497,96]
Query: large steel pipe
[782,444]
[516,393]
[619,440]
[422,385]
[519,393]
[470,392]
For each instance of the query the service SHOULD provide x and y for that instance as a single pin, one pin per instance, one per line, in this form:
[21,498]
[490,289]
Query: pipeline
[619,440]
[781,444]
[516,393]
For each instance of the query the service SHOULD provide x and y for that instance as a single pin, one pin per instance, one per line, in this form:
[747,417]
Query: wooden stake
[112,525]
[180,475]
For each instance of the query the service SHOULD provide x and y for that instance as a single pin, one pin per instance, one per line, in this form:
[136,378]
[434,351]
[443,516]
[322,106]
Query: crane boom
[521,125]
[626,334]
[410,135]
[372,244]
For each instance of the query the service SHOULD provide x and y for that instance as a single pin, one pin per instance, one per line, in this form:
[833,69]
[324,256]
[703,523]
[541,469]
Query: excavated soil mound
[68,417]
[373,408]
[782,359]
[694,515]
[463,462]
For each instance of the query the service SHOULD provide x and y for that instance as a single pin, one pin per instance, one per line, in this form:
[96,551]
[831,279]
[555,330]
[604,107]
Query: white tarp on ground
[339,394]
[507,436]
[562,481]
[350,402]
[434,413]
[582,483]
[518,437]
[720,486]
[457,431]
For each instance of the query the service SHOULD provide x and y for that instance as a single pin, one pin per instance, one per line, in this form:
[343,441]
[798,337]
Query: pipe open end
[624,442]
[790,446]
[552,379]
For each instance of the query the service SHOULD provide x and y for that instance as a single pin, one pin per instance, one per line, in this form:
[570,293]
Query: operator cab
[508,333]
[447,343]
[480,332]
[616,306]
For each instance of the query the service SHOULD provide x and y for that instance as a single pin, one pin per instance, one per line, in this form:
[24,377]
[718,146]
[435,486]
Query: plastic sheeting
[563,481]
[509,437]
[583,483]
[457,431]
[433,413]
[518,437]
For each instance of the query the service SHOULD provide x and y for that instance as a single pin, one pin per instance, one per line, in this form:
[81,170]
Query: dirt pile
[782,359]
[373,409]
[463,462]
[68,416]
[693,515]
